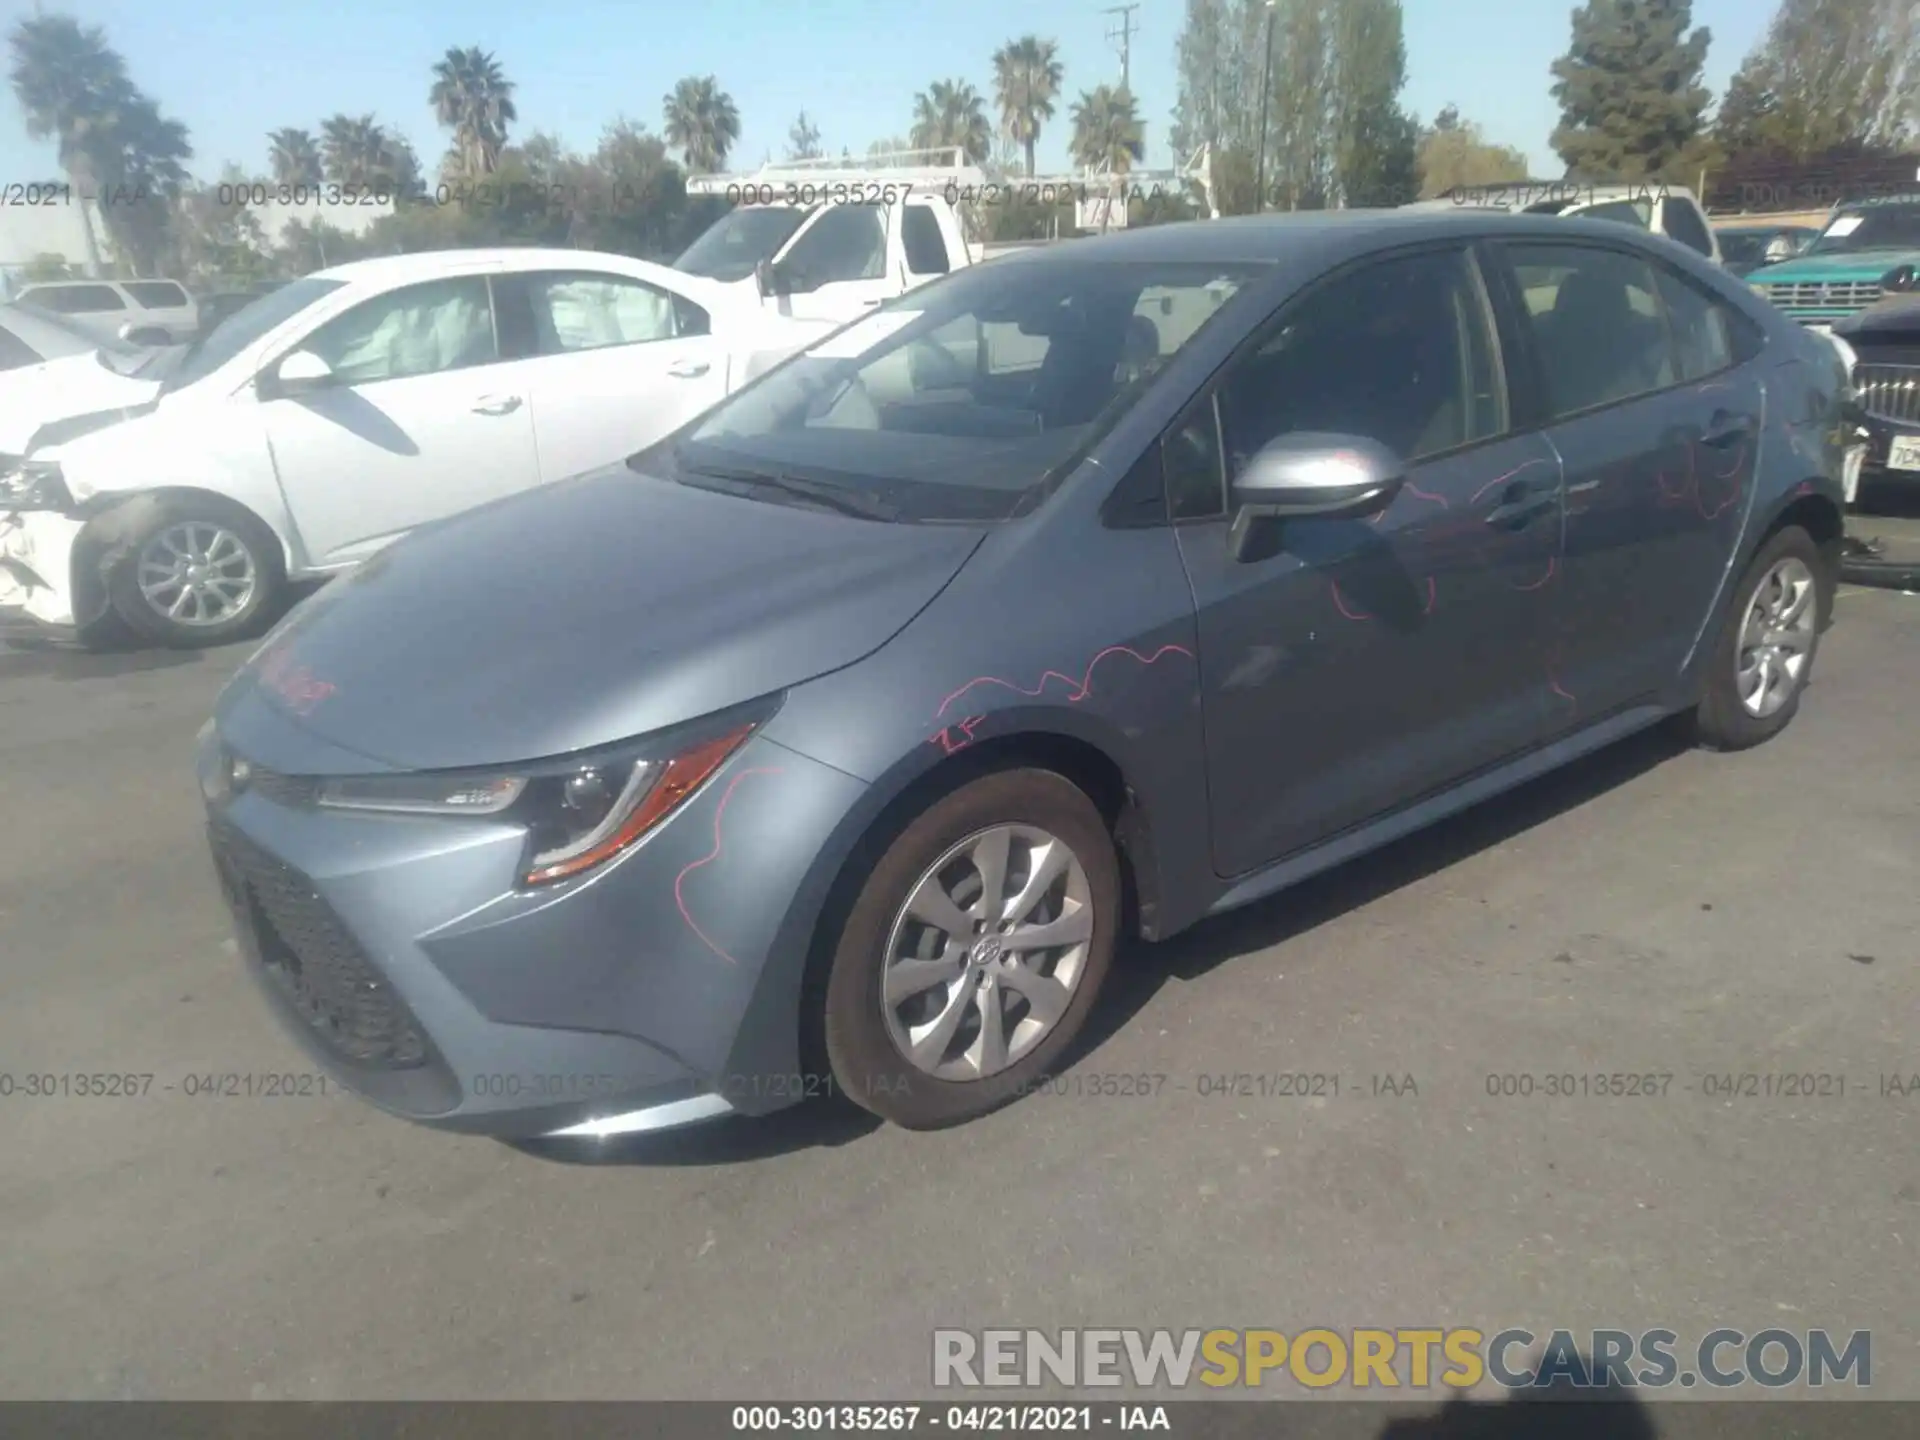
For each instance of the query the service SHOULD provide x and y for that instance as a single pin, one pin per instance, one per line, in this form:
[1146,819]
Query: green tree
[1211,79]
[1026,81]
[45,267]
[1829,75]
[1455,152]
[949,114]
[702,122]
[218,245]
[353,150]
[1629,88]
[1107,130]
[70,84]
[472,97]
[803,139]
[294,157]
[1375,143]
[892,145]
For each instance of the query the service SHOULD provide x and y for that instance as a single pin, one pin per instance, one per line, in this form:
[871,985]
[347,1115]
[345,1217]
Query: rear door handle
[496,405]
[1725,430]
[689,369]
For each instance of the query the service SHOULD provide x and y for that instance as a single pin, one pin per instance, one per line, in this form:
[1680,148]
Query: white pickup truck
[832,245]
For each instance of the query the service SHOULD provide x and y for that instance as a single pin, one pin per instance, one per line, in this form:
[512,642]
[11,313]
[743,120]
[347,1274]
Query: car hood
[1841,265]
[37,396]
[602,608]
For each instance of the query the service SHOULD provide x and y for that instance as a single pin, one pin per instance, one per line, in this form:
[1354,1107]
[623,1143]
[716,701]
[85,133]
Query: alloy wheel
[984,956]
[197,573]
[1776,638]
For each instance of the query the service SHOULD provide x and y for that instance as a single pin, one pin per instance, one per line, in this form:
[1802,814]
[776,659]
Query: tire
[1724,719]
[865,1037]
[239,544]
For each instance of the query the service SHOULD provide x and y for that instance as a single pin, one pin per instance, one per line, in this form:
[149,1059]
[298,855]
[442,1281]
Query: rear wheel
[974,952]
[1764,657]
[196,573]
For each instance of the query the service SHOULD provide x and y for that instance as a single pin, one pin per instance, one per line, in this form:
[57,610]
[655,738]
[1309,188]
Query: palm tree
[702,122]
[1026,79]
[951,114]
[353,150]
[70,84]
[139,161]
[1106,129]
[472,97]
[294,157]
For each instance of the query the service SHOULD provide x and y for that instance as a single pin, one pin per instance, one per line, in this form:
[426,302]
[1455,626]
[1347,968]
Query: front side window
[585,311]
[1683,223]
[417,330]
[75,299]
[1399,352]
[964,400]
[734,244]
[1598,326]
[847,242]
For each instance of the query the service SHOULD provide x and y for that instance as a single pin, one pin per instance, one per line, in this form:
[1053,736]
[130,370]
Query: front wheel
[1764,657]
[196,573]
[974,952]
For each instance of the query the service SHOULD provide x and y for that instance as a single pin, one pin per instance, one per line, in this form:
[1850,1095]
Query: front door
[621,364]
[841,264]
[1658,427]
[422,420]
[1351,665]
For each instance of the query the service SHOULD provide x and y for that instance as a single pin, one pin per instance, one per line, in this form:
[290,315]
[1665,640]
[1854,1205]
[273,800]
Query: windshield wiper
[835,497]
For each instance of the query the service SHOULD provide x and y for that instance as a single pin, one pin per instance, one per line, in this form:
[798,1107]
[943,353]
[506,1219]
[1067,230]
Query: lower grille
[1891,392]
[312,960]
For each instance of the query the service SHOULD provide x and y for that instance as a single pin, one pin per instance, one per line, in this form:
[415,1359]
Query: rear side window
[1598,326]
[157,294]
[1683,223]
[1708,336]
[926,247]
[15,352]
[75,299]
[590,311]
[1399,351]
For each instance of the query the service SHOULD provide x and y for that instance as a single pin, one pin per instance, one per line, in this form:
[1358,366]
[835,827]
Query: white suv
[1669,210]
[147,312]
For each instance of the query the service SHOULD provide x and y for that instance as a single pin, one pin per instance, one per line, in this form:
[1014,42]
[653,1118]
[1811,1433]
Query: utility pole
[1123,33]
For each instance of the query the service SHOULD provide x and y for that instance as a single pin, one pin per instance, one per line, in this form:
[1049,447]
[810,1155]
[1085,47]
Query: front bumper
[36,565]
[659,990]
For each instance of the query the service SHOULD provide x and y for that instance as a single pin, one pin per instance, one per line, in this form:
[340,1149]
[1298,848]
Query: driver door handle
[689,369]
[1725,429]
[496,404]
[1523,502]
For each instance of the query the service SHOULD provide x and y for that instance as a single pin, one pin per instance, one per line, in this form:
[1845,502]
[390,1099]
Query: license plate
[1904,453]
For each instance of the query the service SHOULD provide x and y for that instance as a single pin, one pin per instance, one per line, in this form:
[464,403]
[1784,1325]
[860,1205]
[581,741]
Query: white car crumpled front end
[36,565]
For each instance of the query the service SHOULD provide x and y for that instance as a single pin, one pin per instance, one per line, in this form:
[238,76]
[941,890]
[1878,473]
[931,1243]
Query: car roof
[384,270]
[1303,235]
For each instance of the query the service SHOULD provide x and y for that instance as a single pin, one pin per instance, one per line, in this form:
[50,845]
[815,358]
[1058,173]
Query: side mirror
[296,374]
[1899,280]
[1311,474]
[770,280]
[145,335]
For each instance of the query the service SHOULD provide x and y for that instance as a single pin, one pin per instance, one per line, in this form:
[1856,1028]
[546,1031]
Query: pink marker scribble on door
[1502,479]
[1553,567]
[680,880]
[1078,690]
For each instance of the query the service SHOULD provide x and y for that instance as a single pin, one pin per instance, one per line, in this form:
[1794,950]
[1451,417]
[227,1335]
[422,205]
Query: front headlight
[578,814]
[35,485]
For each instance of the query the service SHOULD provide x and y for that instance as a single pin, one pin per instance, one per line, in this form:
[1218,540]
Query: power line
[1123,32]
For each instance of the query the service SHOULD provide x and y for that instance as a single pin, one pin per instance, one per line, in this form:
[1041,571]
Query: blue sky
[235,69]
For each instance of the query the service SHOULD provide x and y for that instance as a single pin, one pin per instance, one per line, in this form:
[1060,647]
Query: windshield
[1878,227]
[246,325]
[1741,247]
[740,240]
[966,399]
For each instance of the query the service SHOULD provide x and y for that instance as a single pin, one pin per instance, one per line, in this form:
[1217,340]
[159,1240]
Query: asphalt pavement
[1653,911]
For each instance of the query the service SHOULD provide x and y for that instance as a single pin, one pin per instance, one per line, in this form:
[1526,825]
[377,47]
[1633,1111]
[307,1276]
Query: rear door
[618,363]
[166,305]
[1657,423]
[1349,666]
[425,419]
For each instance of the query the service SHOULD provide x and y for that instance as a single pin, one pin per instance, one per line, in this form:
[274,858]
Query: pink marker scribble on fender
[952,742]
[294,684]
[1502,479]
[1079,689]
[1418,494]
[680,880]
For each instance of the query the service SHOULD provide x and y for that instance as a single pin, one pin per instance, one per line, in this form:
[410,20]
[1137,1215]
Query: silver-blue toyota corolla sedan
[836,742]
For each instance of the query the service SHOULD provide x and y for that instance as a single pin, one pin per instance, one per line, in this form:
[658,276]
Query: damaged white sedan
[336,413]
